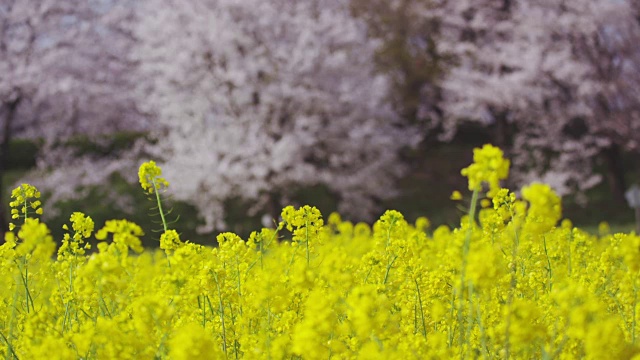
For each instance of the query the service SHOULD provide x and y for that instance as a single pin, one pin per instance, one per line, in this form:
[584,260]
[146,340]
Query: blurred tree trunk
[615,172]
[501,134]
[408,53]
[11,109]
[274,207]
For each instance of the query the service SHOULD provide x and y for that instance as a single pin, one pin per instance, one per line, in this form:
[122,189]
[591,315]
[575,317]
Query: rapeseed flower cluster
[511,282]
[490,166]
[25,200]
[150,176]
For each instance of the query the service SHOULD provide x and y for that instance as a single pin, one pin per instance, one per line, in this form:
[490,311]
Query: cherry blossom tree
[65,71]
[256,98]
[613,57]
[556,79]
[407,32]
[593,116]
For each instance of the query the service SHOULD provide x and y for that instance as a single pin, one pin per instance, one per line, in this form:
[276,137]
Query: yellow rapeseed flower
[456,195]
[545,208]
[338,290]
[490,166]
[24,201]
[170,241]
[125,234]
[35,240]
[150,176]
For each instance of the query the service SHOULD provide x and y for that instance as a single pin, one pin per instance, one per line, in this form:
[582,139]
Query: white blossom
[256,96]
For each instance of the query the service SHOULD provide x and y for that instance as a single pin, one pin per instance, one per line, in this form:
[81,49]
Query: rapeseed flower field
[512,281]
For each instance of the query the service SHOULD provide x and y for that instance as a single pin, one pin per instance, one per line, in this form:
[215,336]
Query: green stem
[512,287]
[550,271]
[633,323]
[306,228]
[25,282]
[293,257]
[164,221]
[221,309]
[67,309]
[465,252]
[483,335]
[155,190]
[389,266]
[470,317]
[452,307]
[102,306]
[569,241]
[366,278]
[261,254]
[204,311]
[239,282]
[25,208]
[161,351]
[424,323]
[387,246]
[11,351]
[393,222]
[11,321]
